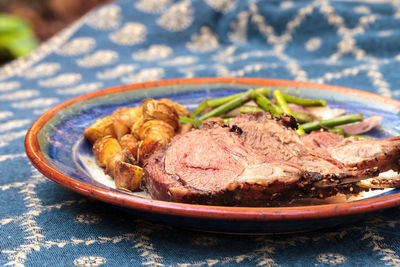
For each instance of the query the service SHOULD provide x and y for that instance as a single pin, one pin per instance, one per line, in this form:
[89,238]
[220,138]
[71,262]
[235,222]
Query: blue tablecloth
[349,43]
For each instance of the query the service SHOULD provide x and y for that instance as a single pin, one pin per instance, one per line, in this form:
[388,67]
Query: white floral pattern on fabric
[36,103]
[105,18]
[238,31]
[154,52]
[13,124]
[41,70]
[179,61]
[116,72]
[8,86]
[99,58]
[313,44]
[362,10]
[80,89]
[152,6]
[223,6]
[77,46]
[385,33]
[19,95]
[178,17]
[205,41]
[87,218]
[129,34]
[61,80]
[144,75]
[89,261]
[5,114]
[331,258]
[286,4]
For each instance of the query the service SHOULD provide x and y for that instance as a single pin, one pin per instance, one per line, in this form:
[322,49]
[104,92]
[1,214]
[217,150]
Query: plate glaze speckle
[56,147]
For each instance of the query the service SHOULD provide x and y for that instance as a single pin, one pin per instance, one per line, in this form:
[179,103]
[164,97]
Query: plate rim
[310,212]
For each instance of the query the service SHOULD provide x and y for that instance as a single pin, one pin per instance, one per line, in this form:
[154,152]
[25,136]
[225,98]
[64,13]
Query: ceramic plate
[56,147]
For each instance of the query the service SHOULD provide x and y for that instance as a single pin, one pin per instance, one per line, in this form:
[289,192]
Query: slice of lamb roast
[213,167]
[276,139]
[362,154]
[257,165]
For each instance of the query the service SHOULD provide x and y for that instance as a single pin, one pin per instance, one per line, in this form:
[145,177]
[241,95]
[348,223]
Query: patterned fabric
[349,43]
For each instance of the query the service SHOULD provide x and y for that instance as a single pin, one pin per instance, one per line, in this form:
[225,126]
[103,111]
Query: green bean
[302,117]
[315,125]
[184,120]
[220,101]
[276,111]
[199,109]
[280,100]
[218,111]
[267,105]
[249,109]
[304,101]
[337,131]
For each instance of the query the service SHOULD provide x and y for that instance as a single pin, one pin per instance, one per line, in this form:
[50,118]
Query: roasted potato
[154,134]
[128,115]
[154,110]
[120,128]
[131,143]
[123,155]
[136,126]
[127,176]
[122,167]
[156,130]
[181,110]
[110,167]
[104,149]
[127,137]
[101,128]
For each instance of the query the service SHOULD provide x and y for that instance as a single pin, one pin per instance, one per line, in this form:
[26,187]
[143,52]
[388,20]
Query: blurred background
[24,24]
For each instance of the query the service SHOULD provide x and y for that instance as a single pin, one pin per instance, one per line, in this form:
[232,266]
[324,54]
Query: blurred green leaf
[16,35]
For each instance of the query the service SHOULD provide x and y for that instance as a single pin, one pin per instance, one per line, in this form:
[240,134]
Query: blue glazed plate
[56,146]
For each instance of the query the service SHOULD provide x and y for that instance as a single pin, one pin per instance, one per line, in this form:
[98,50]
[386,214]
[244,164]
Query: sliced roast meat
[259,161]
[276,139]
[321,140]
[363,154]
[208,166]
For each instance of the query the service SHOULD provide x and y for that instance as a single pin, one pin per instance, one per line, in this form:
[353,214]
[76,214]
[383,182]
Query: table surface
[348,43]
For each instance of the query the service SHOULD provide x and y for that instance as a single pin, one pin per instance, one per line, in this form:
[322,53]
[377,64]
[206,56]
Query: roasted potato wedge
[131,143]
[104,149]
[156,130]
[154,110]
[136,126]
[124,139]
[181,110]
[120,128]
[127,176]
[128,115]
[101,128]
[123,155]
[122,167]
